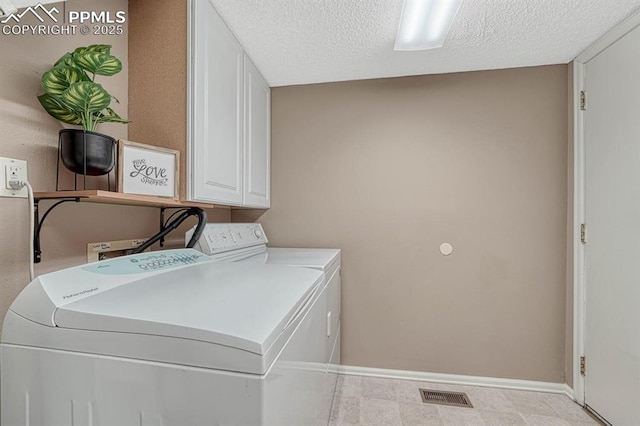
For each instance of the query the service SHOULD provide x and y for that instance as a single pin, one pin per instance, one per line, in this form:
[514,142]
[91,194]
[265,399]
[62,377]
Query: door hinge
[583,365]
[583,233]
[583,100]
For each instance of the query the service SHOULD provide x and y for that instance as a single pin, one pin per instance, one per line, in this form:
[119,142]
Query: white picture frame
[148,170]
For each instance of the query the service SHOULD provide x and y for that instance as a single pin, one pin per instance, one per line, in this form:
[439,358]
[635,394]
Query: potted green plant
[73,97]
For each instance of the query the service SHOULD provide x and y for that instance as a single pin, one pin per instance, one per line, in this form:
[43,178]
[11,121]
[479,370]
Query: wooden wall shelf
[108,197]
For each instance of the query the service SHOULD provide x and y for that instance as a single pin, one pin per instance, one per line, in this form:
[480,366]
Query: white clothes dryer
[247,243]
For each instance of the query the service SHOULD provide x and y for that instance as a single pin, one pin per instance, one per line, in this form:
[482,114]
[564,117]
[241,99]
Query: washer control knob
[258,233]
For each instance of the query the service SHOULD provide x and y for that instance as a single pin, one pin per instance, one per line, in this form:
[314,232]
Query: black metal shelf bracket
[164,223]
[162,210]
[38,222]
[37,253]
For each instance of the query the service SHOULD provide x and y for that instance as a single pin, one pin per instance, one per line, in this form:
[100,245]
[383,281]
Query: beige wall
[29,133]
[389,169]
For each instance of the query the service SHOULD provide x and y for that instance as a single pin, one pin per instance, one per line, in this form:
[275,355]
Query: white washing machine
[163,338]
[247,243]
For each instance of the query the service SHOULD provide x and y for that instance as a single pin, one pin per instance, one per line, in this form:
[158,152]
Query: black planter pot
[99,158]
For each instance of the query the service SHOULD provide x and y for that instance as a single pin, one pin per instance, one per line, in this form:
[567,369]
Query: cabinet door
[216,109]
[257,137]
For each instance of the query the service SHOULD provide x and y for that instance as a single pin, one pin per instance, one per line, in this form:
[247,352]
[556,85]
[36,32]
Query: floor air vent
[457,399]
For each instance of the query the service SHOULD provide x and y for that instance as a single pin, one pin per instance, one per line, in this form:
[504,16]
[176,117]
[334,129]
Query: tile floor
[373,401]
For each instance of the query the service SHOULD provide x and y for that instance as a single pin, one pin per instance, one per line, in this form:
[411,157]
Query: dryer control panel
[225,237]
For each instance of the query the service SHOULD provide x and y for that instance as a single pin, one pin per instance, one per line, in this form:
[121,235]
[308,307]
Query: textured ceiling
[314,41]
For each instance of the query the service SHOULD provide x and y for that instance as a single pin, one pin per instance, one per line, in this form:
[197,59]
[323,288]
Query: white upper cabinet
[229,119]
[216,112]
[257,134]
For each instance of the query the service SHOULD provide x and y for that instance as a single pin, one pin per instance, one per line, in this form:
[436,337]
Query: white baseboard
[454,379]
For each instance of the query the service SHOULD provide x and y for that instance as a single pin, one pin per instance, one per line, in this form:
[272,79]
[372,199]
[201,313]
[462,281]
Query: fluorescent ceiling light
[425,23]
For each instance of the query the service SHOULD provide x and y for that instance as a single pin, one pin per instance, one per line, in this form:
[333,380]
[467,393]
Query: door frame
[579,179]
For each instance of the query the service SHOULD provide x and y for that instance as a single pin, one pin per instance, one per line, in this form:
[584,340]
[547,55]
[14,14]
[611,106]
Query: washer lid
[244,306]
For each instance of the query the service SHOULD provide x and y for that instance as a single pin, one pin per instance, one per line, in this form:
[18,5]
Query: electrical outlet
[12,170]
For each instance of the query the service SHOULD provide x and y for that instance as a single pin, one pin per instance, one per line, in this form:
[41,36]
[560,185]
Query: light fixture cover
[425,23]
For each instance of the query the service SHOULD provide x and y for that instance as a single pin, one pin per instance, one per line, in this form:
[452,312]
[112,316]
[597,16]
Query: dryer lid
[237,305]
[322,259]
[306,257]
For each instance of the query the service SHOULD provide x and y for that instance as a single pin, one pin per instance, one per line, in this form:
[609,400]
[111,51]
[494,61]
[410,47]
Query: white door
[216,109]
[257,137]
[612,252]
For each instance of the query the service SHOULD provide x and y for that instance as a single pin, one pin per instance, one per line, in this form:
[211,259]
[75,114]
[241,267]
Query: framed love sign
[148,170]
